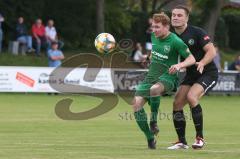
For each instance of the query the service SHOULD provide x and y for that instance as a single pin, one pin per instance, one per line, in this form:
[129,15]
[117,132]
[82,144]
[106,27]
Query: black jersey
[196,38]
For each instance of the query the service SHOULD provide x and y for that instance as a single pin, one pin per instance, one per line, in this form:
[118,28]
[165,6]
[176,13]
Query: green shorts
[169,82]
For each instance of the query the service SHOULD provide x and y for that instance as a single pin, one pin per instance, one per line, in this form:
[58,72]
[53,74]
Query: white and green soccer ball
[105,43]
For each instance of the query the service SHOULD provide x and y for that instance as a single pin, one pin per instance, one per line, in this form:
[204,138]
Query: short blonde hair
[161,18]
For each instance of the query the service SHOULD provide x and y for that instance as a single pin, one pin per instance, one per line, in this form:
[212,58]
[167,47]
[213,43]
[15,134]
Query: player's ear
[187,18]
[168,27]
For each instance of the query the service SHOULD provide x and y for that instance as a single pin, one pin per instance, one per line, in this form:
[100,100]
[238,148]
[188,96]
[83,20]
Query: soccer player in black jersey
[199,78]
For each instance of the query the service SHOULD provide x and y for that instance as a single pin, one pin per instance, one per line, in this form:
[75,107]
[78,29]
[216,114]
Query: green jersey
[165,53]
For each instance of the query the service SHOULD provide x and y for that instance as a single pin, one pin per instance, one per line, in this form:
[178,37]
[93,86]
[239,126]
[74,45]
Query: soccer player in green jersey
[161,77]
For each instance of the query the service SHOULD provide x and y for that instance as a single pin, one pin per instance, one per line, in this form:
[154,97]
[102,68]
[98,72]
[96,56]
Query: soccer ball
[105,43]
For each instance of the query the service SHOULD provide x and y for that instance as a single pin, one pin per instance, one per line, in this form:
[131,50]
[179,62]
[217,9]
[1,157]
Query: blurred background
[79,22]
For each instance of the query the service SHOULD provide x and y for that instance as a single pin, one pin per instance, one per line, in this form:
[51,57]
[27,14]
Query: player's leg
[166,83]
[179,121]
[155,92]
[195,93]
[204,84]
[140,114]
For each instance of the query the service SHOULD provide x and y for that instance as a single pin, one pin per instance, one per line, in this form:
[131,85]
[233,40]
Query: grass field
[7,59]
[30,129]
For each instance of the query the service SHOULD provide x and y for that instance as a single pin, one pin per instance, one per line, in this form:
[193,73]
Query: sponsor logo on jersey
[166,48]
[191,41]
[206,37]
[159,55]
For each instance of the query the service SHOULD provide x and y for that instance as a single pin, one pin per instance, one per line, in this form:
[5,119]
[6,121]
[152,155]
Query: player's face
[159,30]
[179,18]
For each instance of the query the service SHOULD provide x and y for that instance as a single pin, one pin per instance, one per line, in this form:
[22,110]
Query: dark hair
[185,8]
[54,43]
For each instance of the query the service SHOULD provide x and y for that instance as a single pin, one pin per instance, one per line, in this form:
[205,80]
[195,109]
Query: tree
[208,13]
[100,15]
[214,13]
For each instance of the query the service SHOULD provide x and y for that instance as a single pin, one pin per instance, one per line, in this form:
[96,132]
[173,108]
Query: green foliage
[221,33]
[231,11]
[118,20]
[232,19]
[75,20]
[202,10]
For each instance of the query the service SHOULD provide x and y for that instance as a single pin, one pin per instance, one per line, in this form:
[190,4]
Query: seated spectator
[39,38]
[54,55]
[138,56]
[22,34]
[235,65]
[217,59]
[51,35]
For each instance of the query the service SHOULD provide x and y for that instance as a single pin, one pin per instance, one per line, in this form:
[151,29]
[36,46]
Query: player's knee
[177,105]
[192,99]
[136,104]
[156,90]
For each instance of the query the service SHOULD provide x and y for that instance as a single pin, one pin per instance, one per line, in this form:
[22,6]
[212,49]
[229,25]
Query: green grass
[30,129]
[8,59]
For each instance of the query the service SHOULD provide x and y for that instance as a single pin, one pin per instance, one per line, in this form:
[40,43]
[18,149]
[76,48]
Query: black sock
[180,125]
[198,120]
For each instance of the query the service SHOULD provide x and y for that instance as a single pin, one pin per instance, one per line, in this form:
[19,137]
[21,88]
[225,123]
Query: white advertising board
[37,79]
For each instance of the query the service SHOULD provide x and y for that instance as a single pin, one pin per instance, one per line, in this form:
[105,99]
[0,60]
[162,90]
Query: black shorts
[207,80]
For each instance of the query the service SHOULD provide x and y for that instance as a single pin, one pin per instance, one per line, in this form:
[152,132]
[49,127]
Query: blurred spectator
[54,55]
[138,55]
[51,35]
[1,32]
[235,65]
[217,59]
[39,38]
[22,35]
[148,44]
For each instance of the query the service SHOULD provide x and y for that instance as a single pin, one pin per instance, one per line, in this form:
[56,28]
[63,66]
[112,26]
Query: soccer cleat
[199,143]
[152,143]
[154,128]
[178,145]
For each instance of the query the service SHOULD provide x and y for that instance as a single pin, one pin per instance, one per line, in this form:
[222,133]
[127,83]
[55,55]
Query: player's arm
[61,57]
[190,60]
[184,51]
[58,57]
[237,67]
[204,42]
[210,53]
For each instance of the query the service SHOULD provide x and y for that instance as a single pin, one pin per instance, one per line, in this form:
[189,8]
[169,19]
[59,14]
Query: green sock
[154,104]
[141,119]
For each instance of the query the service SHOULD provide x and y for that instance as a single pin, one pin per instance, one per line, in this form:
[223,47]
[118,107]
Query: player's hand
[174,68]
[200,66]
